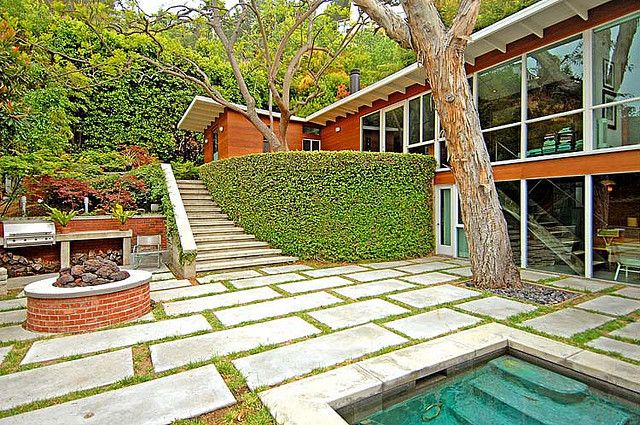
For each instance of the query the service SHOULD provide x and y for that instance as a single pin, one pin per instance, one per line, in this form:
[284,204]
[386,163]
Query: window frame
[311,140]
[588,108]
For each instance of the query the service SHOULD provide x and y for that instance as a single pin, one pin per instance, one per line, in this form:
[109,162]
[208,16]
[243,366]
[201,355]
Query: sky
[151,6]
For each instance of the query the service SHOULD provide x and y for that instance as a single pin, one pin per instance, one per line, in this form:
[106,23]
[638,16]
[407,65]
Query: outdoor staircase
[221,244]
[553,241]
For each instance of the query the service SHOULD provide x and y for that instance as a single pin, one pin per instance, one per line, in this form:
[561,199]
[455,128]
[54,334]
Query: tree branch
[463,24]
[395,27]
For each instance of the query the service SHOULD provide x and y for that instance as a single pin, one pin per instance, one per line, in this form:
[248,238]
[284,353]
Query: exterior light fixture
[609,184]
[221,129]
[338,129]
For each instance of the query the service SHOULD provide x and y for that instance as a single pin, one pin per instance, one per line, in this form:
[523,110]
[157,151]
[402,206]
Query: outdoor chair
[147,246]
[627,255]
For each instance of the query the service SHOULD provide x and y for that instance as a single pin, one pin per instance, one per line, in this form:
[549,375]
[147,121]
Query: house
[557,87]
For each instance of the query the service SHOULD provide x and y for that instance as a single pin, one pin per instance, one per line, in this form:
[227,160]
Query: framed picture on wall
[610,113]
[608,74]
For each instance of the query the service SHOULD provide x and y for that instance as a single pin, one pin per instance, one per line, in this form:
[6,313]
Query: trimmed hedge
[330,206]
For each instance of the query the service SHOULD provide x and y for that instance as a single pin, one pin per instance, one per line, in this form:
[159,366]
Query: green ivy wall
[330,206]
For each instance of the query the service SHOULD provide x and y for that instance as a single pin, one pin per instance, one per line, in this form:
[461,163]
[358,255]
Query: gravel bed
[534,293]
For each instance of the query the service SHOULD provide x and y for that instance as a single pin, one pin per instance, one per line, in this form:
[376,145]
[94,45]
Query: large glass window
[394,130]
[428,118]
[503,144]
[509,194]
[310,145]
[424,149]
[556,225]
[414,121]
[616,78]
[499,95]
[371,133]
[554,79]
[616,235]
[557,135]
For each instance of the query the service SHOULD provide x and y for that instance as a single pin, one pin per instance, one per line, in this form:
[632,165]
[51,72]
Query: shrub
[186,170]
[332,206]
[64,193]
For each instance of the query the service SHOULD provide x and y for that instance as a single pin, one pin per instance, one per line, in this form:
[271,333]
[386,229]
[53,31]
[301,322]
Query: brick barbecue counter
[53,310]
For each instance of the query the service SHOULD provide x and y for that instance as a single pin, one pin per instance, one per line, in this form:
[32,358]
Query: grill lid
[28,233]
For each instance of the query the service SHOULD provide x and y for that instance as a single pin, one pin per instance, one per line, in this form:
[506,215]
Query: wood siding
[596,163]
[239,137]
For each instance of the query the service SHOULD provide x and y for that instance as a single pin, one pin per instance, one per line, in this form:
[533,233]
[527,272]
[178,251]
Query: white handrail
[187,241]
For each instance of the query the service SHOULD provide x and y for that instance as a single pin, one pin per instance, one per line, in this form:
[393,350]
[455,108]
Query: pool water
[508,391]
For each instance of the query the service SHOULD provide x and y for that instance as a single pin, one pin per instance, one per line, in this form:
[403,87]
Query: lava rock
[88,278]
[63,280]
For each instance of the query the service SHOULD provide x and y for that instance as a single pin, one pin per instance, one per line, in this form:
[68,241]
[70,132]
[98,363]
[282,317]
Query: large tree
[440,51]
[282,40]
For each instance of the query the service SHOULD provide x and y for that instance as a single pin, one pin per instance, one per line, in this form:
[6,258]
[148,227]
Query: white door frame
[450,249]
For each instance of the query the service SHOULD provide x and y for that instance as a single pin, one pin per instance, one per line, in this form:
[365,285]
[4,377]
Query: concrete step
[192,187]
[207,216]
[233,253]
[199,202]
[202,192]
[213,238]
[202,208]
[205,266]
[215,246]
[214,231]
[194,197]
[187,182]
[216,222]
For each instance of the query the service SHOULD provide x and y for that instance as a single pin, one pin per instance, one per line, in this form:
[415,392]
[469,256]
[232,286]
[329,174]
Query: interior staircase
[221,244]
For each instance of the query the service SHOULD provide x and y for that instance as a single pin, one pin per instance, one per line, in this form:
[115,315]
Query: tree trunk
[486,228]
[440,51]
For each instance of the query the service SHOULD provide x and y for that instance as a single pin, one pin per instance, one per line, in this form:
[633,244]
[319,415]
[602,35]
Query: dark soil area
[534,293]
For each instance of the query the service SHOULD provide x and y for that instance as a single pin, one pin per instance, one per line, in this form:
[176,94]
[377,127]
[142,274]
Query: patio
[204,346]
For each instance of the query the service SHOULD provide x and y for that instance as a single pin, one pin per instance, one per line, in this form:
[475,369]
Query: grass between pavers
[12,362]
[249,409]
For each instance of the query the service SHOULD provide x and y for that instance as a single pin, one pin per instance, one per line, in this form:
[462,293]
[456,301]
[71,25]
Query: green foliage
[185,170]
[119,213]
[63,218]
[333,206]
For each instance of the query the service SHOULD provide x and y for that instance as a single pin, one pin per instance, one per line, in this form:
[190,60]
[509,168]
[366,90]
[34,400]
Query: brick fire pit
[52,309]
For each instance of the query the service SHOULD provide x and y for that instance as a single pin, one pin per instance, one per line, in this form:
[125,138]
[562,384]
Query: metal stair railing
[542,234]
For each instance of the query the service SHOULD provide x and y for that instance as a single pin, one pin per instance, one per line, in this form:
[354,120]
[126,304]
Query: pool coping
[316,398]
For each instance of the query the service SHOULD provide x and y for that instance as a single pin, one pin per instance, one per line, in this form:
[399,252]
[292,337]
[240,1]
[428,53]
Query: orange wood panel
[348,138]
[239,137]
[598,163]
[208,145]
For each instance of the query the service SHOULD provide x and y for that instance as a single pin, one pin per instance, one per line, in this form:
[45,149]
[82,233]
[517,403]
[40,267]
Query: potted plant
[121,215]
[62,218]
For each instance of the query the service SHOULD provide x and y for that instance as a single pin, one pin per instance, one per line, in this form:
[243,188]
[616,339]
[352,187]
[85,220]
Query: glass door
[444,220]
[462,249]
[215,146]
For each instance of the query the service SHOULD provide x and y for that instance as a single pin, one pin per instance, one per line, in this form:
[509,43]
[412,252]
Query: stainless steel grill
[28,233]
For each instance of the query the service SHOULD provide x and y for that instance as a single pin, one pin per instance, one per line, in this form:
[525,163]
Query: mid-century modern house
[557,87]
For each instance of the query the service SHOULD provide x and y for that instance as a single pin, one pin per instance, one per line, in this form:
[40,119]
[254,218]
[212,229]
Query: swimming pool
[507,390]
